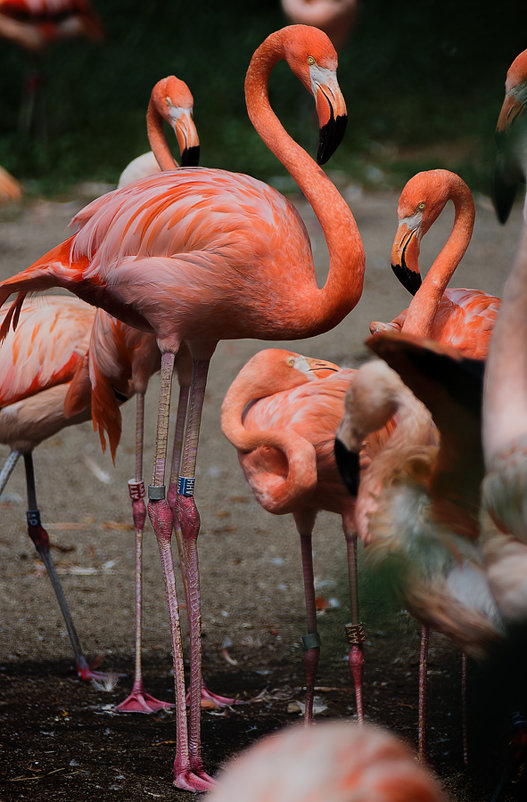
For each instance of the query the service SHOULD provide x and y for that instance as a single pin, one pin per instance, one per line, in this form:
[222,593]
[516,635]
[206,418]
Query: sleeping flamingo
[336,761]
[198,255]
[418,502]
[281,413]
[459,317]
[37,364]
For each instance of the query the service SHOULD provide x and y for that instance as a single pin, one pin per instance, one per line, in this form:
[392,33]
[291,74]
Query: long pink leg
[355,630]
[206,695]
[311,641]
[40,538]
[186,513]
[139,701]
[160,515]
[423,677]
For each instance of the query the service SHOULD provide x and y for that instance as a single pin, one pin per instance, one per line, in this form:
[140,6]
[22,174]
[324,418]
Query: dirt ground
[59,737]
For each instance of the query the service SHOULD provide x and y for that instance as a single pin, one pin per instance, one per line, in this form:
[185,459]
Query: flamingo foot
[197,781]
[86,671]
[139,701]
[214,700]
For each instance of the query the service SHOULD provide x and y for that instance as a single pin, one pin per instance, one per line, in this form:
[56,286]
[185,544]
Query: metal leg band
[355,634]
[311,641]
[156,492]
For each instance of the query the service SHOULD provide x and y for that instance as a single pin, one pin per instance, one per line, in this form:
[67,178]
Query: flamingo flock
[420,451]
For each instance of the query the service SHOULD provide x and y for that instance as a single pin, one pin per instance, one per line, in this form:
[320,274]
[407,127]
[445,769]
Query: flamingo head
[422,201]
[174,102]
[313,59]
[275,369]
[515,93]
[511,138]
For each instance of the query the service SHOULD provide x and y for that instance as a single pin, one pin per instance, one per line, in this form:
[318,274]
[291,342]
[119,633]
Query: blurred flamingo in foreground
[459,317]
[418,501]
[281,413]
[37,364]
[200,255]
[35,24]
[335,761]
[334,17]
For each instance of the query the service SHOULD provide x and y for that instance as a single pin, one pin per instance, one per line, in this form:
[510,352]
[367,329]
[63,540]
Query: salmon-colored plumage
[202,255]
[281,413]
[459,317]
[336,761]
[33,24]
[334,17]
[38,362]
[10,188]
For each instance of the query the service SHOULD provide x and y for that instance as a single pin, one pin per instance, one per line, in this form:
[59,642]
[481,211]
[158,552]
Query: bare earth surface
[59,737]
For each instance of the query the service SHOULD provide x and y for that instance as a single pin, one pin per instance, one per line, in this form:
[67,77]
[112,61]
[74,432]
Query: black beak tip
[348,466]
[410,280]
[331,136]
[190,157]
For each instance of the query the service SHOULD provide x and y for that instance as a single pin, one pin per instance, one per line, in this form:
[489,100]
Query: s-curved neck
[343,286]
[422,309]
[157,139]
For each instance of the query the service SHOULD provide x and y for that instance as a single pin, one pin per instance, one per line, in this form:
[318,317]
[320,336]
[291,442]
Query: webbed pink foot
[87,671]
[210,699]
[189,780]
[139,701]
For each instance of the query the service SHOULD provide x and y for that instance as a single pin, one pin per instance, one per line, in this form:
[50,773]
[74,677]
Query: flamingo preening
[336,761]
[459,317]
[198,255]
[281,413]
[38,363]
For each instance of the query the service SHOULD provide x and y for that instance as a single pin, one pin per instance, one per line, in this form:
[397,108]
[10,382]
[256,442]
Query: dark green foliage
[415,77]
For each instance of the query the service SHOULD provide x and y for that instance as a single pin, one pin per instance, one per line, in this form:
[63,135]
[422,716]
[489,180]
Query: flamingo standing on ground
[418,502]
[459,317]
[198,255]
[334,17]
[335,761]
[37,364]
[121,359]
[35,24]
[282,412]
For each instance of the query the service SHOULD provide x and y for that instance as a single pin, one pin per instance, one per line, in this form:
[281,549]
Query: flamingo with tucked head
[198,255]
[281,413]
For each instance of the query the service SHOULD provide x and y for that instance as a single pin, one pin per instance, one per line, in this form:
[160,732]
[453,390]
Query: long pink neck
[422,309]
[505,386]
[343,286]
[276,493]
[156,137]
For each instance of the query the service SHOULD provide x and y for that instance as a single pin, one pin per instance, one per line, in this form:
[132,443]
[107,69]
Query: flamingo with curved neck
[170,101]
[281,413]
[459,317]
[198,255]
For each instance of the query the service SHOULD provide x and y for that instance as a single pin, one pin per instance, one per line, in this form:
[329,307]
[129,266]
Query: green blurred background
[423,81]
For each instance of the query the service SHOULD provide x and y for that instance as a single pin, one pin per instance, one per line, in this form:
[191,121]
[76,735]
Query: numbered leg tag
[33,518]
[136,489]
[185,486]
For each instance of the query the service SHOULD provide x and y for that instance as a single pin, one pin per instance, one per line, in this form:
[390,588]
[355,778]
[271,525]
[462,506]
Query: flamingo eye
[421,206]
[291,361]
[310,60]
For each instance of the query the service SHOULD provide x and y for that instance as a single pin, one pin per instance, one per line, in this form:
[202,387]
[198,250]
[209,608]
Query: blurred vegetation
[423,83]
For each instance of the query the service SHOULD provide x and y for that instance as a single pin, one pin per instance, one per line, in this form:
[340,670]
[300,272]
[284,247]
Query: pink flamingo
[282,412]
[121,359]
[459,317]
[334,17]
[336,761]
[418,502]
[202,255]
[34,25]
[37,365]
[510,163]
[10,189]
